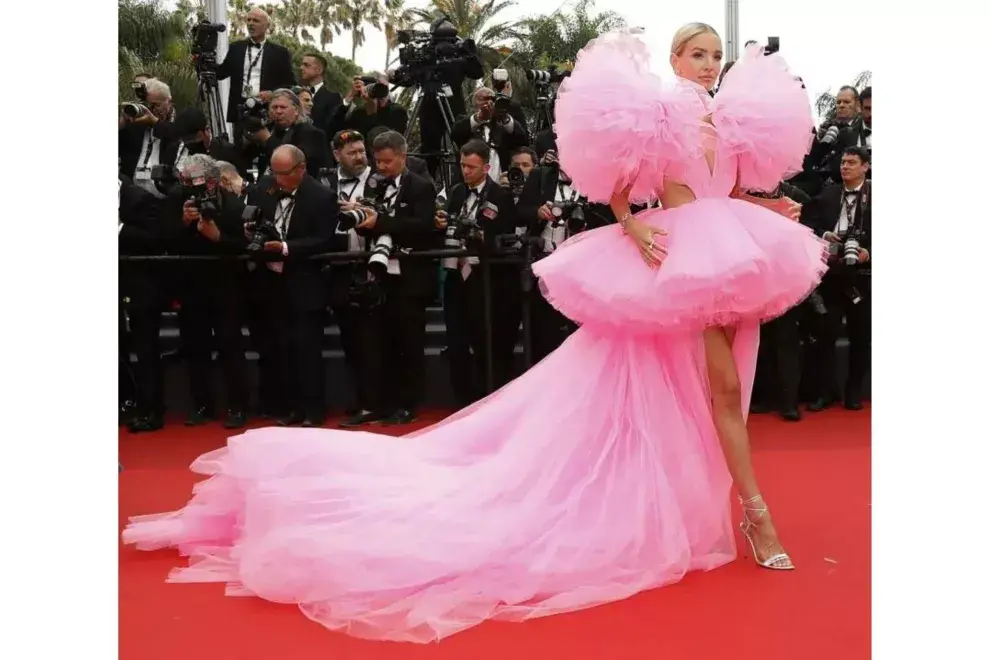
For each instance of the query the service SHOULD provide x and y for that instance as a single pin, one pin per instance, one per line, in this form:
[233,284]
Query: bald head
[257,22]
[287,156]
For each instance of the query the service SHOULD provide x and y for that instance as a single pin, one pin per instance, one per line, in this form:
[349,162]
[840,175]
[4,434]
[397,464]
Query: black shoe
[235,419]
[313,421]
[853,404]
[791,414]
[202,415]
[361,418]
[291,420]
[127,413]
[399,417]
[146,424]
[819,404]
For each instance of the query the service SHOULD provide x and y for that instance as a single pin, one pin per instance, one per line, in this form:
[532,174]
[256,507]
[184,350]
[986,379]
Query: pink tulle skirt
[729,261]
[594,476]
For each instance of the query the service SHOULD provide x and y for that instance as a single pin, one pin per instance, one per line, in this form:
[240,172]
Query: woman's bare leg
[730,423]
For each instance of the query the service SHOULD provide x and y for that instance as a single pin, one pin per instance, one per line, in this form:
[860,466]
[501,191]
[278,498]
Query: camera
[569,213]
[204,44]
[140,92]
[773,46]
[133,110]
[516,179]
[254,115]
[502,105]
[548,76]
[381,252]
[436,56]
[348,220]
[375,88]
[500,80]
[205,199]
[263,229]
[847,249]
[817,303]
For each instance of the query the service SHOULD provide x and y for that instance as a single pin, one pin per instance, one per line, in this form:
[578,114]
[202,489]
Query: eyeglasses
[286,172]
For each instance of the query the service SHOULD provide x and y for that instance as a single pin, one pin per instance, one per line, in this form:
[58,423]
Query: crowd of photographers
[309,172]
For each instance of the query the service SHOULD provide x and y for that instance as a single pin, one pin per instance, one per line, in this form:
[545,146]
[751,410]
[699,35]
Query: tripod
[544,117]
[432,92]
[208,95]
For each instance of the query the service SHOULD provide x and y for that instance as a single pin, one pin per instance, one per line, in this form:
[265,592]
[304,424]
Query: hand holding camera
[550,159]
[440,220]
[208,229]
[545,212]
[190,213]
[370,218]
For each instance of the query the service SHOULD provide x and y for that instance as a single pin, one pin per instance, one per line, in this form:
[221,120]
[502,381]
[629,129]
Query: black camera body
[517,179]
[205,37]
[570,213]
[348,220]
[773,46]
[205,199]
[262,229]
[502,105]
[376,89]
[432,57]
[253,114]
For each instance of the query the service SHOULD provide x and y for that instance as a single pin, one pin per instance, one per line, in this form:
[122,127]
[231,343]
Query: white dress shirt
[252,75]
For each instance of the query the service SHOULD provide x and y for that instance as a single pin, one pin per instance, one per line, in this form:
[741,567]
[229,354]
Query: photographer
[367,106]
[398,219]
[208,290]
[255,67]
[833,137]
[477,211]
[514,179]
[553,210]
[196,137]
[137,233]
[495,126]
[145,138]
[296,220]
[352,294]
[842,216]
[291,127]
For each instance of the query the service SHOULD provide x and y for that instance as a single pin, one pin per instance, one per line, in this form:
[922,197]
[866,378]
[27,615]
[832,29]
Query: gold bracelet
[622,221]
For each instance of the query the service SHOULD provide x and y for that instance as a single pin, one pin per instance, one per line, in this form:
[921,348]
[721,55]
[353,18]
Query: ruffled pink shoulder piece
[619,124]
[763,115]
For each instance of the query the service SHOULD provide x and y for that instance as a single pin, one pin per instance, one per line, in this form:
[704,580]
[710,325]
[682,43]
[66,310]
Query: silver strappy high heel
[780,561]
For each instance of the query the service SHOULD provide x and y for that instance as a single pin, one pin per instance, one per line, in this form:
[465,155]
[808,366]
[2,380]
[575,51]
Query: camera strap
[283,216]
[150,134]
[251,64]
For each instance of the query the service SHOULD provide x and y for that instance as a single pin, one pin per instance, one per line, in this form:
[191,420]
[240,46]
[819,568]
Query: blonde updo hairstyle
[686,33]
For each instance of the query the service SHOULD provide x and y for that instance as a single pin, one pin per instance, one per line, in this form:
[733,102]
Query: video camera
[773,46]
[436,56]
[204,44]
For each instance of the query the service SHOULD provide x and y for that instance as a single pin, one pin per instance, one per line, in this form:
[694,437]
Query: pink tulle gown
[598,473]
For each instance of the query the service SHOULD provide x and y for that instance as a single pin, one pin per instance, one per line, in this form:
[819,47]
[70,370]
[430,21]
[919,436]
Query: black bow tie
[389,181]
[253,44]
[853,193]
[286,194]
[477,191]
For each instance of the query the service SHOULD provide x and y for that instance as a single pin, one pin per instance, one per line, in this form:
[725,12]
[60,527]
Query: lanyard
[563,197]
[282,217]
[468,212]
[389,200]
[151,146]
[347,197]
[252,63]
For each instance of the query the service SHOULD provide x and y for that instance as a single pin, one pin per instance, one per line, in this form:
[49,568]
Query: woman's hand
[644,235]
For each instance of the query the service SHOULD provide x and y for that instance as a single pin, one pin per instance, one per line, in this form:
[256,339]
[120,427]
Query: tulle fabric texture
[595,476]
[619,124]
[763,118]
[728,261]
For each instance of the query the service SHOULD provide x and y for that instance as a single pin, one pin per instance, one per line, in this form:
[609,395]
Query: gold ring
[652,243]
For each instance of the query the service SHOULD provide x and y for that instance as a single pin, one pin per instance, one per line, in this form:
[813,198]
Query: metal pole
[216,11]
[731,30]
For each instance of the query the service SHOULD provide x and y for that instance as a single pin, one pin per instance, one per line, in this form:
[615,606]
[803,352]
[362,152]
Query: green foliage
[825,103]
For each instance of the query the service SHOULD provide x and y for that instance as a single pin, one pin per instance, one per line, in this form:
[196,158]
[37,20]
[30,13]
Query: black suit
[137,234]
[311,140]
[846,290]
[393,343]
[464,303]
[130,139]
[550,327]
[500,139]
[276,72]
[325,104]
[289,319]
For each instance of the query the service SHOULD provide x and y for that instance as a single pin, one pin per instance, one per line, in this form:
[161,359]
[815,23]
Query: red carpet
[816,475]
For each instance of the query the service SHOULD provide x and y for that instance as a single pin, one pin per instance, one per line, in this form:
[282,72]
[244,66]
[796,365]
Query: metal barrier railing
[523,256]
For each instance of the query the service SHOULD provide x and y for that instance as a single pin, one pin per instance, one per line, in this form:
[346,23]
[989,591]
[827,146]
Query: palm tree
[825,103]
[395,17]
[329,12]
[154,40]
[356,14]
[236,14]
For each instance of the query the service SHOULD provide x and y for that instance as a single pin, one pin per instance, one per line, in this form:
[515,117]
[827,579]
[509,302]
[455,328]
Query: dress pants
[393,341]
[838,291]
